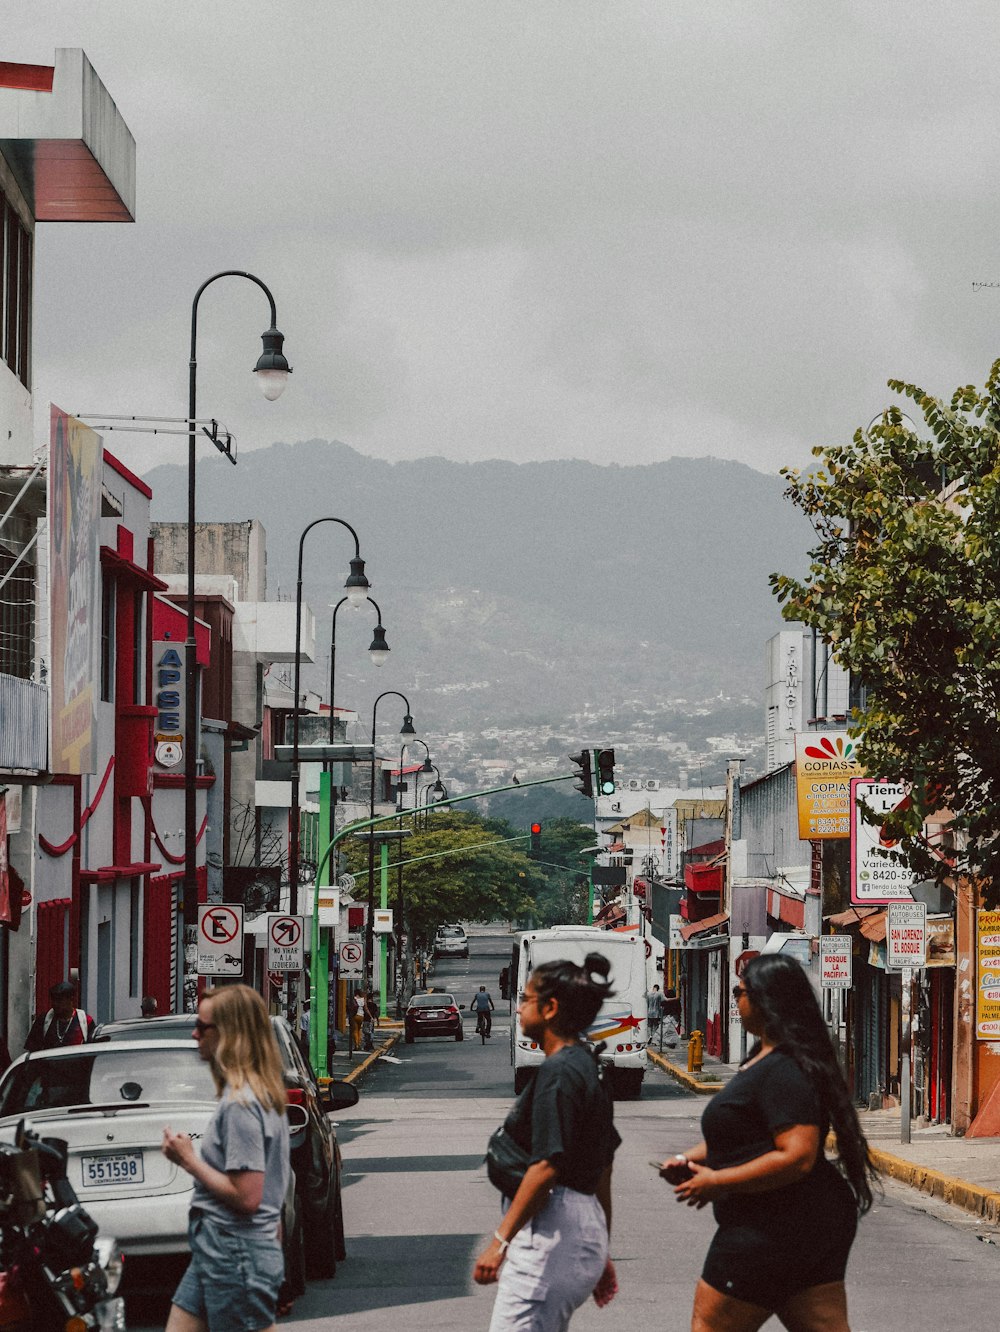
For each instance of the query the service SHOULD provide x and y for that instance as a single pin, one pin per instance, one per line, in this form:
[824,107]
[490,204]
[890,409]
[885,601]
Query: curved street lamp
[409,735]
[272,371]
[356,587]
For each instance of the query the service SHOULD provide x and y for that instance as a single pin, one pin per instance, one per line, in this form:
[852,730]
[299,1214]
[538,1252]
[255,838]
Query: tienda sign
[825,762]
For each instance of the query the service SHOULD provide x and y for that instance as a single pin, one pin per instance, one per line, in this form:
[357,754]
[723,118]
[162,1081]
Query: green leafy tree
[461,870]
[904,583]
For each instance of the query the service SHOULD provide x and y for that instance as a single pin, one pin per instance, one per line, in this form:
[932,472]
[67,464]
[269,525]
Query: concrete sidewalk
[964,1172]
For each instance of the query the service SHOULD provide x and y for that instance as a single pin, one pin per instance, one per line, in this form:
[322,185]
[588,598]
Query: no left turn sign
[285,951]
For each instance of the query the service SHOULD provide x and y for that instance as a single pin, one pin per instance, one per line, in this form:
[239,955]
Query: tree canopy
[464,867]
[904,583]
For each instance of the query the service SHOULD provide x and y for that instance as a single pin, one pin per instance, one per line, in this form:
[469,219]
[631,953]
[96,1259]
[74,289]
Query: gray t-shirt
[242,1135]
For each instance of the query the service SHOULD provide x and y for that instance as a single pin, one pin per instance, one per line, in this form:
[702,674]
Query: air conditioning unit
[634,784]
[653,785]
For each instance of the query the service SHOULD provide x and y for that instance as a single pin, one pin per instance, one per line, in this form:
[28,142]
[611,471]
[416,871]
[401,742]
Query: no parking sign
[220,939]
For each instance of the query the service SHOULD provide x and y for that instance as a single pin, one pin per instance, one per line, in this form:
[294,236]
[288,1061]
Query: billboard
[875,877]
[987,975]
[74,502]
[825,762]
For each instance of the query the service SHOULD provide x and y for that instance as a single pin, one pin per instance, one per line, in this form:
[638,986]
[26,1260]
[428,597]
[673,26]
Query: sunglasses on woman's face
[201,1027]
[739,991]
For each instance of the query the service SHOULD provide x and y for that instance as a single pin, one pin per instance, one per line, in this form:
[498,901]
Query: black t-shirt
[565,1116]
[740,1122]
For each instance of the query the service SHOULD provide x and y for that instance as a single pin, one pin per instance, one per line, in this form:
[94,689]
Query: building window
[15,293]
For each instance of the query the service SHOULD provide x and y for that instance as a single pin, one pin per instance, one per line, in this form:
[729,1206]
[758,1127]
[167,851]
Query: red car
[433,1015]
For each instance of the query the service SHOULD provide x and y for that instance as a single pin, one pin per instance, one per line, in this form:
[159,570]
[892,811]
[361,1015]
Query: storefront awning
[702,927]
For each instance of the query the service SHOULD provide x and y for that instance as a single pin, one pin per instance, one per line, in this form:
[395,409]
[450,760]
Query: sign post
[220,939]
[906,947]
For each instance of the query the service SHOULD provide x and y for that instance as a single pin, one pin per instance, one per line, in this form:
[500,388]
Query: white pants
[552,1266]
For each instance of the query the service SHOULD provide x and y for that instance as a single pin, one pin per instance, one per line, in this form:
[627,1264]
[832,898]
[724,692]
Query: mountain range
[614,603]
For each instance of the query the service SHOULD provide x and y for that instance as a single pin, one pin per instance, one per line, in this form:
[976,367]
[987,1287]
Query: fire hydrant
[696,1051]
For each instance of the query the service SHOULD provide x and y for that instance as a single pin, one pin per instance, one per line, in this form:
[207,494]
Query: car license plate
[112,1168]
[433,1013]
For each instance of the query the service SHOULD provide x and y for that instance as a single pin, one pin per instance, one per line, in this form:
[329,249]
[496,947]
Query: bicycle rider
[483,1005]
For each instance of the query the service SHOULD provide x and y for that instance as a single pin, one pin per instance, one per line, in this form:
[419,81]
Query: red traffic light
[536,828]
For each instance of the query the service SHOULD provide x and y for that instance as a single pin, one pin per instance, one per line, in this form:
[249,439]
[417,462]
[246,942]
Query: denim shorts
[232,1279]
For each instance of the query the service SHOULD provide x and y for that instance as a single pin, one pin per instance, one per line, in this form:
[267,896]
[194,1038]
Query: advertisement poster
[987,975]
[940,942]
[825,762]
[875,877]
[74,578]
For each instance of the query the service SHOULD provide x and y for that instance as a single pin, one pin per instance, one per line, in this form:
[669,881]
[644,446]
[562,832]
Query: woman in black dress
[787,1216]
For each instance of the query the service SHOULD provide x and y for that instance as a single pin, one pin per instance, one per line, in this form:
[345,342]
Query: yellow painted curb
[355,1073]
[959,1192]
[685,1078]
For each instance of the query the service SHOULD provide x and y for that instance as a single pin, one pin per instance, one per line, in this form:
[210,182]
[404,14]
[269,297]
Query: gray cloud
[533,230]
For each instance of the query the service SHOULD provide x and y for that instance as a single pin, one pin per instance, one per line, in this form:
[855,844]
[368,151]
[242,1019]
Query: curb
[356,1073]
[682,1076]
[958,1192]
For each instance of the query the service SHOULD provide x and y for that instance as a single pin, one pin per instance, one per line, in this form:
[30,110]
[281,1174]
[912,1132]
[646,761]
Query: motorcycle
[55,1274]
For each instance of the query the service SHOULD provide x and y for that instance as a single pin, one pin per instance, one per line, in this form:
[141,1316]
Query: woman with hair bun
[241,1175]
[787,1216]
[550,1250]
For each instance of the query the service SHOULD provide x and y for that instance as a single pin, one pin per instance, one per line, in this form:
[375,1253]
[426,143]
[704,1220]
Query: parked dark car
[433,1015]
[316,1157]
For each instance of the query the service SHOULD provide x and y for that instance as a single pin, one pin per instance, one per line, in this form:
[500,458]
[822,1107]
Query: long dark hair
[780,991]
[580,990]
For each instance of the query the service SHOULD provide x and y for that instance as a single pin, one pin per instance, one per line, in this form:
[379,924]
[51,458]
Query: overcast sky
[532,229]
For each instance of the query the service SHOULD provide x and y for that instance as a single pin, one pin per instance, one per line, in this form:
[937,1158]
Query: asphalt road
[418,1204]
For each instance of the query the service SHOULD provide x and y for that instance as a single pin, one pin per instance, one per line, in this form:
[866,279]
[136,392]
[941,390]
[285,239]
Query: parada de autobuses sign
[825,762]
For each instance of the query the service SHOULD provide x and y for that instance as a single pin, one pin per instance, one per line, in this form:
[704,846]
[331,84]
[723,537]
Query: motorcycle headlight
[112,1261]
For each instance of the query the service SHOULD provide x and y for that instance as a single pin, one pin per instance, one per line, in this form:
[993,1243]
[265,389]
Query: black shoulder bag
[506,1159]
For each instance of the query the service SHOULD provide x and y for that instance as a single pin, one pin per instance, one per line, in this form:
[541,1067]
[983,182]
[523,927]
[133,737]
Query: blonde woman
[240,1178]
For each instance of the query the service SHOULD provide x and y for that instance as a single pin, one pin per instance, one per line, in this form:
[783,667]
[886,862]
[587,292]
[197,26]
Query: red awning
[704,926]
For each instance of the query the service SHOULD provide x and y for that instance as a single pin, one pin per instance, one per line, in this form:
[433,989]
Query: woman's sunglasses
[739,991]
[201,1027]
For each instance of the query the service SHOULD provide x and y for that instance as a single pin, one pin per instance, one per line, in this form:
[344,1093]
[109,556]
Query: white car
[110,1103]
[451,941]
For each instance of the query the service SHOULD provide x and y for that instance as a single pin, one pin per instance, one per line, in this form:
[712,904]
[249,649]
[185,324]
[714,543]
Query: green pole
[319,1029]
[383,942]
[590,895]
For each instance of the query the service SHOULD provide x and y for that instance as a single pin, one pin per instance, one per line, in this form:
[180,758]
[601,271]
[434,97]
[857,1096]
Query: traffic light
[536,838]
[606,772]
[582,761]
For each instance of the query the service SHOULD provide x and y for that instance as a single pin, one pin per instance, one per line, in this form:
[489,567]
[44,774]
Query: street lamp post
[409,734]
[272,371]
[356,587]
[427,766]
[377,653]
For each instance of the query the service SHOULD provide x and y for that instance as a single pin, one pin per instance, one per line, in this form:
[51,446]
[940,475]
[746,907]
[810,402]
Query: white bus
[621,1023]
